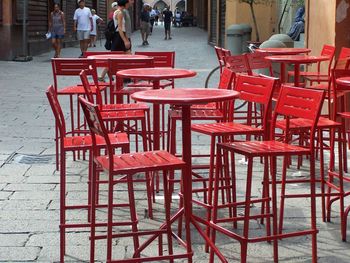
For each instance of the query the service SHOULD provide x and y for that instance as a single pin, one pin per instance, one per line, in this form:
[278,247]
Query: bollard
[234,37]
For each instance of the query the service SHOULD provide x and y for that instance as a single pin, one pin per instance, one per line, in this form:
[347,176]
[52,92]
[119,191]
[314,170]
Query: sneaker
[170,38]
[146,42]
[81,55]
[143,43]
[165,38]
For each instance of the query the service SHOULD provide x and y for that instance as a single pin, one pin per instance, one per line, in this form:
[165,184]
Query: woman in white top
[120,41]
[96,20]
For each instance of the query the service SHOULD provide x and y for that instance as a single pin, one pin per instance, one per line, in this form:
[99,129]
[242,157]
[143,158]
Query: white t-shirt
[94,22]
[82,16]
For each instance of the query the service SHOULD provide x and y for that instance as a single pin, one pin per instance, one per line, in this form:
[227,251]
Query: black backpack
[110,30]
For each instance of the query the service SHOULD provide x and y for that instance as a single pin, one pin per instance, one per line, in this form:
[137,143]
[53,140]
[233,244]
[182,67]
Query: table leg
[283,73]
[296,74]
[156,125]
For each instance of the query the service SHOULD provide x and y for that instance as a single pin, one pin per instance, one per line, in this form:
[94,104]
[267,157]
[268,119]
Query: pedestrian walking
[167,17]
[152,19]
[121,40]
[145,24]
[83,25]
[114,7]
[57,28]
[156,17]
[96,20]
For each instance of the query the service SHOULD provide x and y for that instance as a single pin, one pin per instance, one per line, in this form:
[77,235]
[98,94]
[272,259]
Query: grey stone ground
[29,193]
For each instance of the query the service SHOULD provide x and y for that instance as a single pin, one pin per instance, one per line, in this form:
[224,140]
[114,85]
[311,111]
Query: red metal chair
[238,64]
[72,67]
[252,90]
[257,61]
[117,88]
[339,112]
[292,103]
[327,50]
[127,165]
[76,143]
[220,54]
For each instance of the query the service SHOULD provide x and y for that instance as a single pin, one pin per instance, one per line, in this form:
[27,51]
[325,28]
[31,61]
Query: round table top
[284,51]
[297,58]
[118,56]
[345,81]
[156,73]
[184,96]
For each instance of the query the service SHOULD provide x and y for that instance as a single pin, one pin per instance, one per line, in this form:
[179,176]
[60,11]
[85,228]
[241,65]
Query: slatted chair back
[329,51]
[342,63]
[257,90]
[57,111]
[294,102]
[115,65]
[344,53]
[72,67]
[97,128]
[257,61]
[338,90]
[226,78]
[161,59]
[220,54]
[88,89]
[237,64]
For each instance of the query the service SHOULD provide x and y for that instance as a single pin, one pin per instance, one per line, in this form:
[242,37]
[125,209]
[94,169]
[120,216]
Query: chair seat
[141,162]
[345,114]
[202,114]
[208,106]
[100,83]
[124,107]
[85,142]
[145,83]
[77,90]
[300,123]
[122,115]
[225,128]
[265,148]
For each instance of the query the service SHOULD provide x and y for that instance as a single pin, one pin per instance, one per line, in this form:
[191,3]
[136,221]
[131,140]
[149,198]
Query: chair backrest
[257,90]
[294,102]
[329,51]
[257,60]
[220,54]
[57,110]
[72,67]
[114,65]
[93,53]
[344,52]
[97,128]
[226,78]
[162,59]
[88,90]
[342,63]
[237,64]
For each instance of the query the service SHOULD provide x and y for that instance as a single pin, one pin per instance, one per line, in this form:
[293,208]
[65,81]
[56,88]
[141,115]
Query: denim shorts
[56,36]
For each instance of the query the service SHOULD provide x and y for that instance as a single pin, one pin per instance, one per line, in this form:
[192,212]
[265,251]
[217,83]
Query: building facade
[19,42]
[180,5]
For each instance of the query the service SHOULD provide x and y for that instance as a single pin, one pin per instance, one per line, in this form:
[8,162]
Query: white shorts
[83,34]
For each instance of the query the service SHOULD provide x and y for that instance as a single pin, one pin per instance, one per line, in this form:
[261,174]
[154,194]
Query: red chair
[238,64]
[339,112]
[292,103]
[257,61]
[327,50]
[72,68]
[127,165]
[255,90]
[76,143]
[116,88]
[220,54]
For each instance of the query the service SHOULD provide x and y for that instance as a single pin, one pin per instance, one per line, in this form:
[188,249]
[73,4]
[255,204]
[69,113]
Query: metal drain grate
[32,159]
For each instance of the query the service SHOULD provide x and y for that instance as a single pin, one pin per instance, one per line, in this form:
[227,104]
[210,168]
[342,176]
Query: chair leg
[313,207]
[94,195]
[167,213]
[274,206]
[62,205]
[322,181]
[109,217]
[283,192]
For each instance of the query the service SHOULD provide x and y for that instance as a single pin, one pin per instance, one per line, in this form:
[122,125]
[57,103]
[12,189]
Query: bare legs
[84,45]
[56,44]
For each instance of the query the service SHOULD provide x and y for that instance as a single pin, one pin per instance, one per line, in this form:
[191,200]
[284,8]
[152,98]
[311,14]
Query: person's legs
[54,45]
[169,31]
[58,47]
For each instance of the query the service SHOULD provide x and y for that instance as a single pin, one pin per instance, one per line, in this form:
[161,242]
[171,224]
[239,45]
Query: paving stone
[5,195]
[29,187]
[13,240]
[19,254]
[37,195]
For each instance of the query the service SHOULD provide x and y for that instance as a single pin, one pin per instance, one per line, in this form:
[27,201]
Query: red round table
[156,75]
[283,51]
[105,57]
[184,98]
[345,81]
[297,60]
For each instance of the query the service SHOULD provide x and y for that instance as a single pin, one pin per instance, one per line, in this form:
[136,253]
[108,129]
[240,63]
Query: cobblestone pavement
[29,192]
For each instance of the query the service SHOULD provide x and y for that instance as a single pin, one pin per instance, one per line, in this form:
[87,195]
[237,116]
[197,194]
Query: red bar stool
[340,87]
[127,165]
[74,143]
[254,90]
[292,102]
